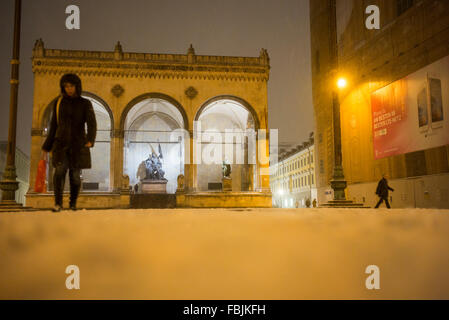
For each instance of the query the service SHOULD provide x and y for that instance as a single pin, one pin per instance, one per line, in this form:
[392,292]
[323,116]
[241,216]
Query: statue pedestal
[227,184]
[154,186]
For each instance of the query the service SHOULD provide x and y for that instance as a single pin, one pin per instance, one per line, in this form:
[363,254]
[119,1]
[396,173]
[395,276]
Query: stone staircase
[343,204]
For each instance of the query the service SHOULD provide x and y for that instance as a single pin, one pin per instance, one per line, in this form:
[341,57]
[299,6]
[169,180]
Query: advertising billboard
[412,113]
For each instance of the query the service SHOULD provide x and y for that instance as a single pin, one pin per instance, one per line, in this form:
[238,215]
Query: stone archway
[96,179]
[148,127]
[153,95]
[238,100]
[217,117]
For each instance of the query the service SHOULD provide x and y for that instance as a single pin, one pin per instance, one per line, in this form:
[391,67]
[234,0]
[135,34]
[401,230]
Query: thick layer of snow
[225,253]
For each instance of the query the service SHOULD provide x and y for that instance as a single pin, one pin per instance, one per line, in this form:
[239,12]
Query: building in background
[394,111]
[293,177]
[22,170]
[146,100]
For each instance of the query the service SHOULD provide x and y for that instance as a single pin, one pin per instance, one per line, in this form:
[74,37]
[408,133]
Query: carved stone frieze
[150,65]
[191,92]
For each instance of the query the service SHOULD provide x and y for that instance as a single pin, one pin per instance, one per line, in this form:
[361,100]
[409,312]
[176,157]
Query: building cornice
[150,65]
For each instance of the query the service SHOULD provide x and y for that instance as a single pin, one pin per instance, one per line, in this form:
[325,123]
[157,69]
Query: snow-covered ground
[225,253]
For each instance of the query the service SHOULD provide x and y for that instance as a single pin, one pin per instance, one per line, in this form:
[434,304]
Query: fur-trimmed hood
[73,79]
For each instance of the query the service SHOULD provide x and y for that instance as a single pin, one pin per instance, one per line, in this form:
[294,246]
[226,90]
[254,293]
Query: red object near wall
[40,186]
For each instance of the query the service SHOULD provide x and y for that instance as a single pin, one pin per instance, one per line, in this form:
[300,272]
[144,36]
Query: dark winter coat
[382,188]
[68,133]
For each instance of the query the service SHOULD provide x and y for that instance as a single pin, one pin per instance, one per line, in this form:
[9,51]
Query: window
[403,5]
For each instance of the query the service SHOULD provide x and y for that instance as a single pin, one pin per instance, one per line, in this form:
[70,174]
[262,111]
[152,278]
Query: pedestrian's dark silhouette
[67,139]
[382,191]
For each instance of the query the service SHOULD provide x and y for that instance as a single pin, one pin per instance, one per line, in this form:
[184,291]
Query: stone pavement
[225,253]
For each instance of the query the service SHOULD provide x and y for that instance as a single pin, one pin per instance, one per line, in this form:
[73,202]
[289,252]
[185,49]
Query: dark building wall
[408,40]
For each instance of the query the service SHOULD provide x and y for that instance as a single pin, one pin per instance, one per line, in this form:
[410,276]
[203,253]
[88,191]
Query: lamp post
[338,182]
[9,184]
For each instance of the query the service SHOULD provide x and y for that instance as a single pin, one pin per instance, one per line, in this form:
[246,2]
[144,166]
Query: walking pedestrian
[382,191]
[67,139]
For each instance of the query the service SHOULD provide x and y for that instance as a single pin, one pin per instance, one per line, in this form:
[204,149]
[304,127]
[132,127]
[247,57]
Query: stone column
[251,158]
[116,161]
[263,164]
[246,178]
[190,169]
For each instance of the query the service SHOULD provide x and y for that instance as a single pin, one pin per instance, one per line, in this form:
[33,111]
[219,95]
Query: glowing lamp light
[341,83]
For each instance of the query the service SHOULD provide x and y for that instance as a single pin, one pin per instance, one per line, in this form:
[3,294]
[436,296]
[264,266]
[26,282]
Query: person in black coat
[382,191]
[67,139]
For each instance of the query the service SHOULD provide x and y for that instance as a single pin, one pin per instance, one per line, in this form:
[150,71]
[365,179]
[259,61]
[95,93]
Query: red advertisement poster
[411,114]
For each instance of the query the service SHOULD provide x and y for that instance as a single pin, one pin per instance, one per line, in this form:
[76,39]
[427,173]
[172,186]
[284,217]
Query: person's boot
[56,208]
[73,197]
[72,205]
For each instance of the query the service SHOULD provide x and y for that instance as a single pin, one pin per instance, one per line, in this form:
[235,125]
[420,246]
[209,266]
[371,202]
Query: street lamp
[9,184]
[338,182]
[341,83]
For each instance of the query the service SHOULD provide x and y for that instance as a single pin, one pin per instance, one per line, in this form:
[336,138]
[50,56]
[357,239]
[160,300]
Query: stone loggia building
[144,101]
[413,34]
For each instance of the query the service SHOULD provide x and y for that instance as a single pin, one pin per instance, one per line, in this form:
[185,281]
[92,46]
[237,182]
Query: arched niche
[148,128]
[96,179]
[216,118]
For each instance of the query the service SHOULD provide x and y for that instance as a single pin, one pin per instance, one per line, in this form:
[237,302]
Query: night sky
[226,27]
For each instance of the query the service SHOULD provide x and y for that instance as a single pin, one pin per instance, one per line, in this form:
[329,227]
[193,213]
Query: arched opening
[148,127]
[227,126]
[97,178]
